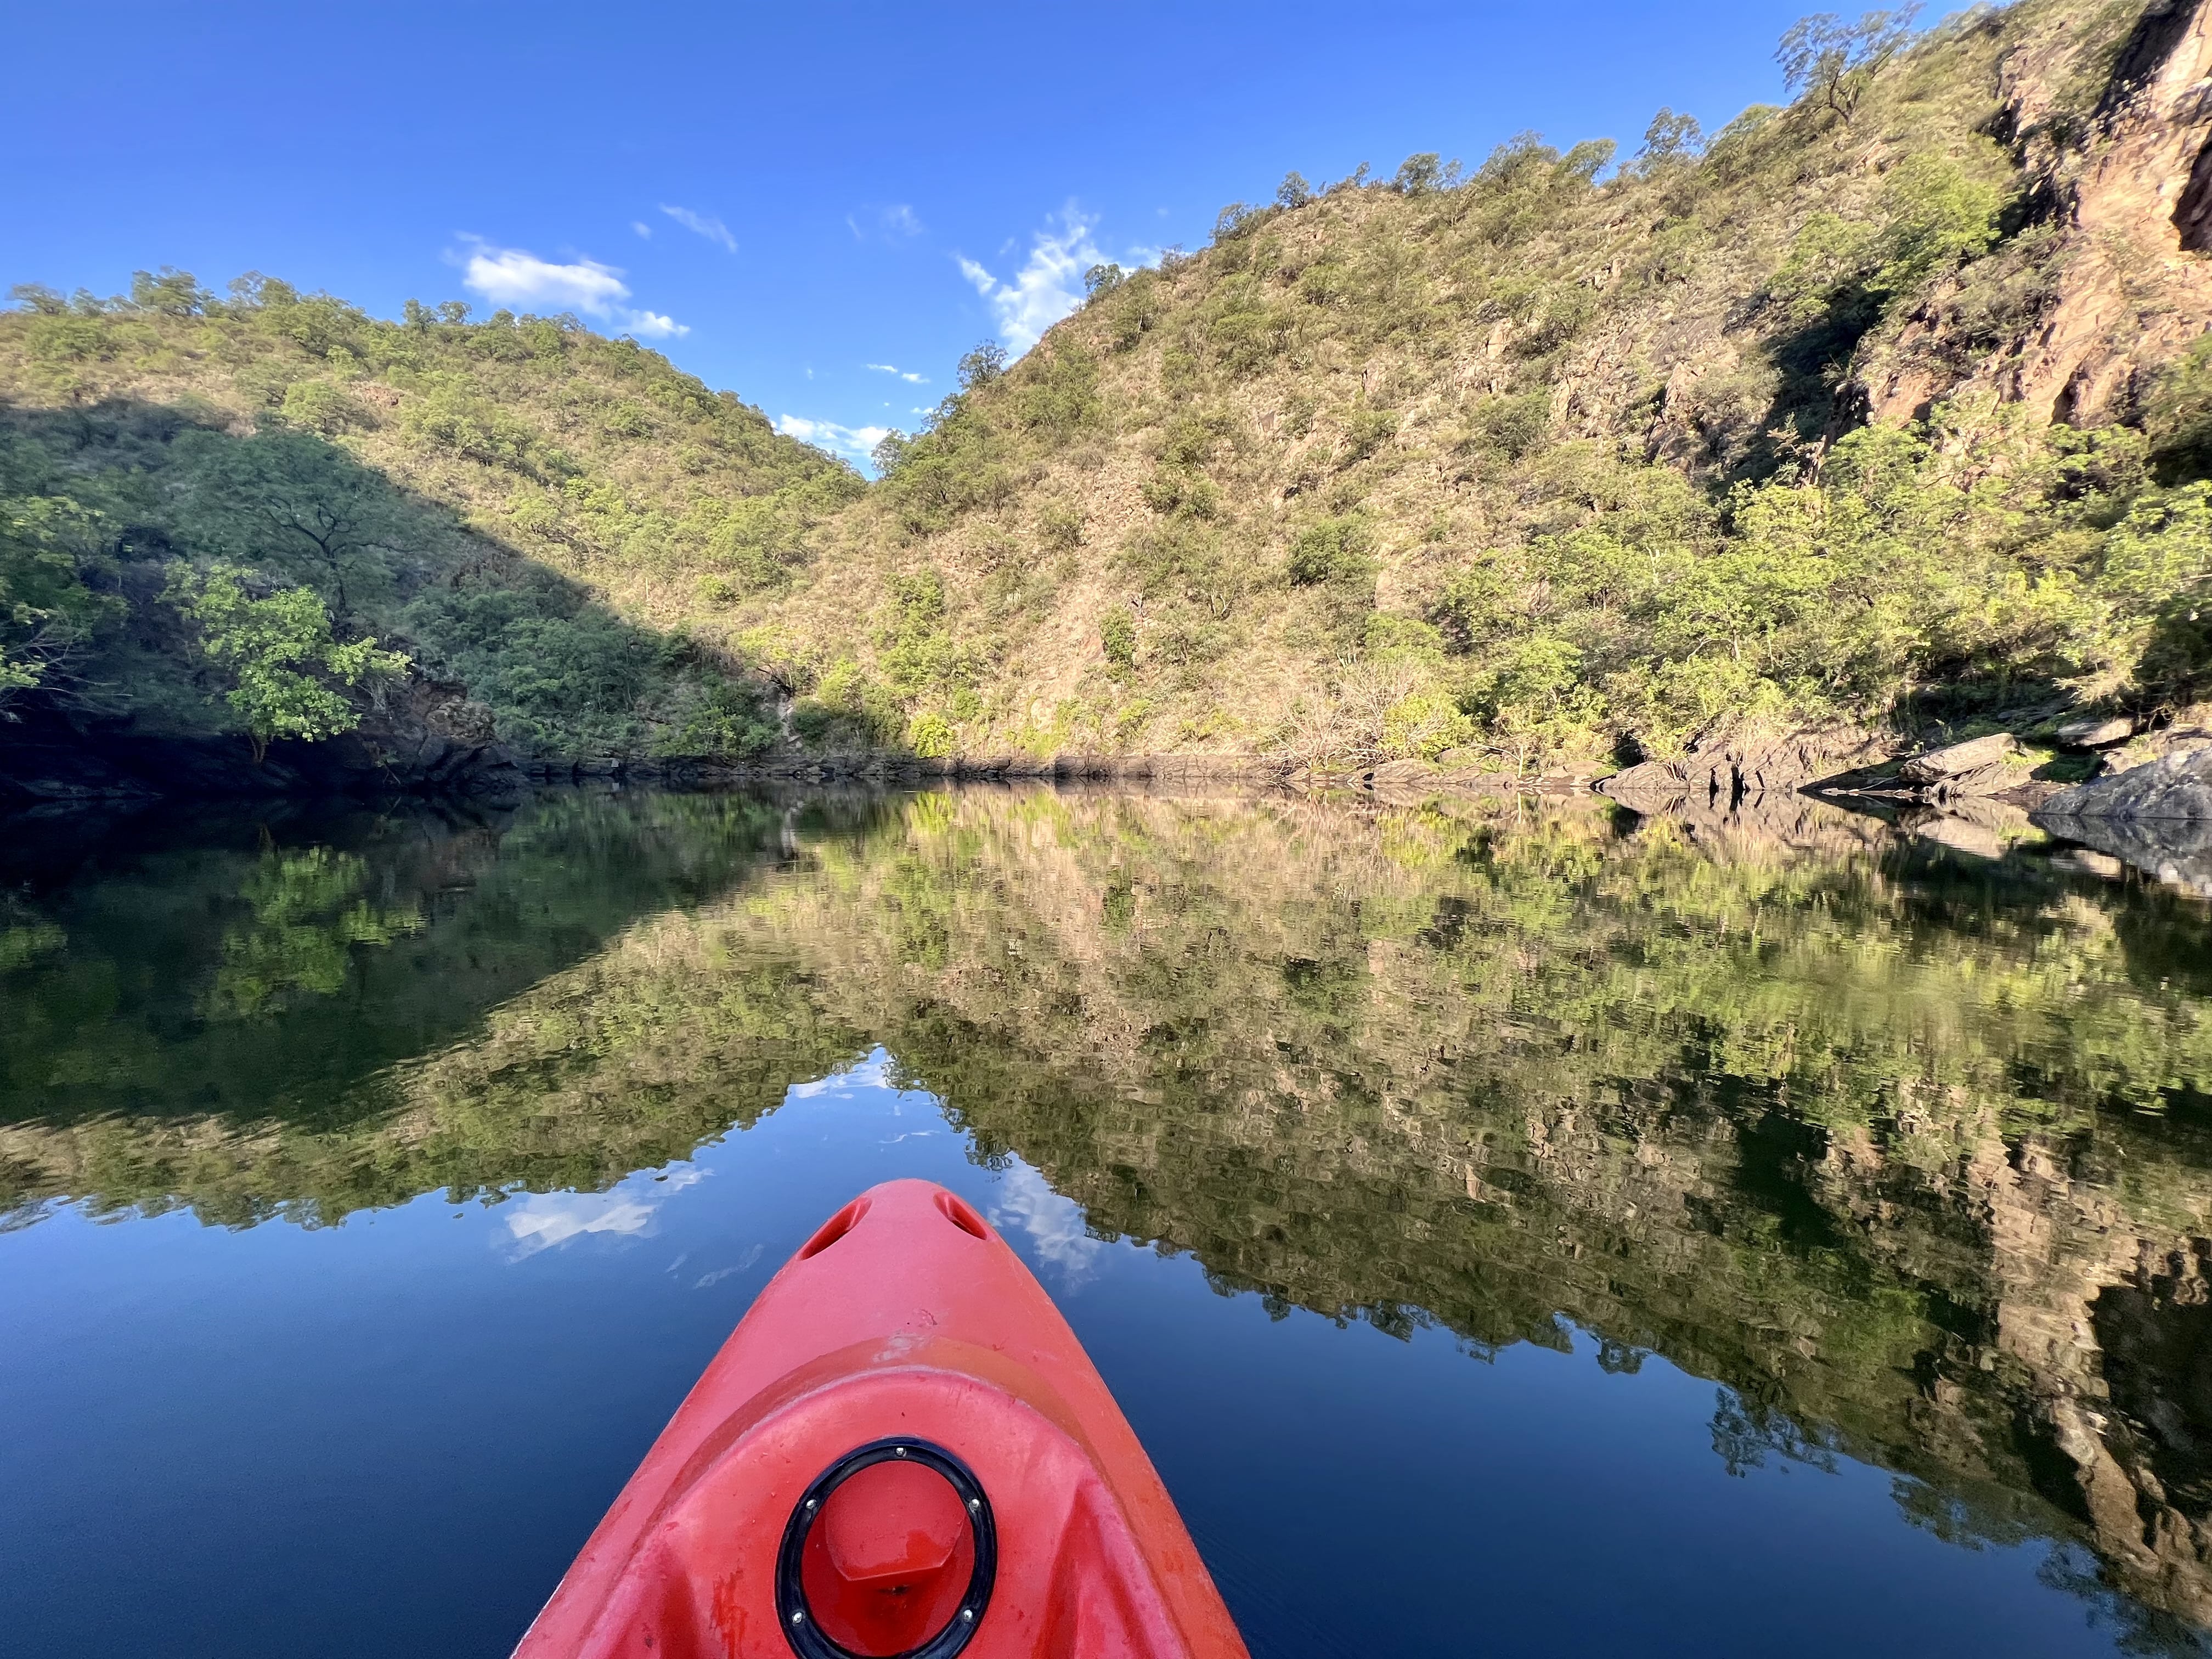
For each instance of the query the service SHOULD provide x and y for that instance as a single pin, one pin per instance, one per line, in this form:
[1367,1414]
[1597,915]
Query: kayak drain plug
[890,1554]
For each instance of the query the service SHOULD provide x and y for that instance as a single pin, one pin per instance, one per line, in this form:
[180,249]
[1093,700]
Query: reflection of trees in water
[1897,1148]
[308,916]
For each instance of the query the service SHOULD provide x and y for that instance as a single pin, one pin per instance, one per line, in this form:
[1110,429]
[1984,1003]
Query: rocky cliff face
[2127,201]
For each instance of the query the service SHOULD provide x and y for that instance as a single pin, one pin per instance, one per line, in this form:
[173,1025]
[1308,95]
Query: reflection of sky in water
[463,1389]
[540,1220]
[1054,1224]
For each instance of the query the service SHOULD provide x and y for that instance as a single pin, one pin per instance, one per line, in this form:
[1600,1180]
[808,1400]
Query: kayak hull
[908,1330]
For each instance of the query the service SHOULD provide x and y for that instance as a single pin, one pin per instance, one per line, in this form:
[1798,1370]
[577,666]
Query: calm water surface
[1509,1232]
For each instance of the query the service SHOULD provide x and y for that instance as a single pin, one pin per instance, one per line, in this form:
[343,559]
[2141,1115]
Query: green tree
[981,366]
[169,291]
[1670,137]
[286,499]
[1424,175]
[1827,59]
[280,649]
[47,613]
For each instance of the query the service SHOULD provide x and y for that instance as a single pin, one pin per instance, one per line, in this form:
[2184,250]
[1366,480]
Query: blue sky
[819,206]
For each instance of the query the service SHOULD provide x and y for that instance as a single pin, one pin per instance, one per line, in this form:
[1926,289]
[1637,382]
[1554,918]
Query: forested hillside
[272,515]
[1887,409]
[1878,407]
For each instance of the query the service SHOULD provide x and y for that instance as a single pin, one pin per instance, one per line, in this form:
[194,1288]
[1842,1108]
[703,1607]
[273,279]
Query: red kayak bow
[901,1451]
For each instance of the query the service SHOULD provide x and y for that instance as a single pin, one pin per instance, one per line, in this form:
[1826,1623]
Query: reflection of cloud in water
[1054,1224]
[722,1273]
[544,1220]
[861,1074]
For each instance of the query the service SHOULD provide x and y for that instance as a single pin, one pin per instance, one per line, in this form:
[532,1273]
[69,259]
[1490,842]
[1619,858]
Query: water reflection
[1903,1145]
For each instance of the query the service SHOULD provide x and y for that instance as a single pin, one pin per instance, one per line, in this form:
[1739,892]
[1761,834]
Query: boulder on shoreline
[2157,816]
[2175,787]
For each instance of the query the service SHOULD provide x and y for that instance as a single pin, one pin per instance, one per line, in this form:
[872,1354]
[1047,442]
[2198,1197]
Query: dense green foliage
[279,650]
[547,518]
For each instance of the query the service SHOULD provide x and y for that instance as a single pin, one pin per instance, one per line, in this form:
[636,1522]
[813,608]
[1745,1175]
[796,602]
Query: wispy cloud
[703,224]
[907,375]
[641,229]
[855,442]
[515,277]
[1048,287]
[896,223]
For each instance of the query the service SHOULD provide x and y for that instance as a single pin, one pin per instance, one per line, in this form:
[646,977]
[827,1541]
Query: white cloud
[1047,287]
[515,277]
[856,443]
[904,375]
[641,229]
[509,276]
[1054,1223]
[703,224]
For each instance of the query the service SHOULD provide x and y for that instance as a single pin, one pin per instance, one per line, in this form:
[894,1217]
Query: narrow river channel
[1510,1231]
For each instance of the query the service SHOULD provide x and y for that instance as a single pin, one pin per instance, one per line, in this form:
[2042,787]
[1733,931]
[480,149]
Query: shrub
[1334,550]
[1059,391]
[1424,723]
[1512,426]
[1234,221]
[1181,493]
[2157,571]
[319,406]
[931,737]
[1060,527]
[57,339]
[715,720]
[1117,636]
[1367,431]
[452,415]
[1180,559]
[1326,281]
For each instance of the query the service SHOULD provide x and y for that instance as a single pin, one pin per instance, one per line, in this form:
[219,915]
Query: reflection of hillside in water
[1904,1147]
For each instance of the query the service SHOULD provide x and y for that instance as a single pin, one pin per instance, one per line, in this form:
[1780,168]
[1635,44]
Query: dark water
[1509,1232]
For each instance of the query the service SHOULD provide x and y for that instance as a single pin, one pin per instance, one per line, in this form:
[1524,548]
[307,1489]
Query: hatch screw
[811,1501]
[975,1502]
[798,1618]
[968,1614]
[898,1451]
